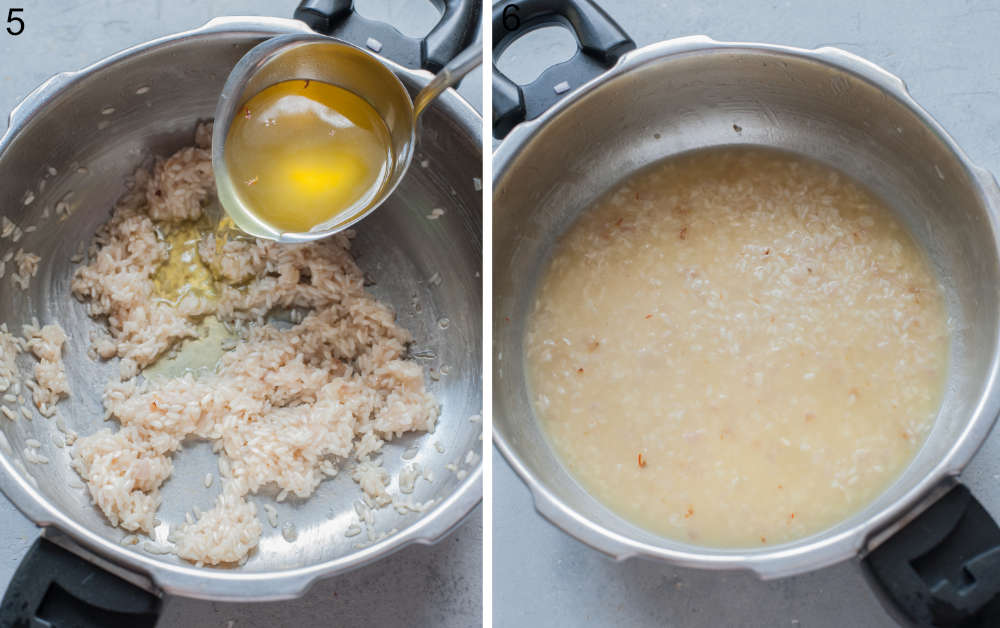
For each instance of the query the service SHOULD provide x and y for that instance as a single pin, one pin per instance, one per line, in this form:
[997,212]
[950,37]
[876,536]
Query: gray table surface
[418,586]
[947,52]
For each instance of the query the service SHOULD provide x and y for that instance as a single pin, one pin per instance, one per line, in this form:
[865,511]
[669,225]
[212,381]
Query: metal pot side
[827,104]
[146,101]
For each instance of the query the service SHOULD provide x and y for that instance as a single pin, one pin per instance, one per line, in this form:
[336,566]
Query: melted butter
[184,272]
[304,154]
[196,356]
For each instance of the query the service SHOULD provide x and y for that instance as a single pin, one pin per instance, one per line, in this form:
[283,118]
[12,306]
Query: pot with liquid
[158,92]
[651,405]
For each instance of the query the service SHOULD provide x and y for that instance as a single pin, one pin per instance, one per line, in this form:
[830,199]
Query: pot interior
[738,95]
[103,125]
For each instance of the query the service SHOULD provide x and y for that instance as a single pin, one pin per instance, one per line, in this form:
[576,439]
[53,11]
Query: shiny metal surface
[691,93]
[145,101]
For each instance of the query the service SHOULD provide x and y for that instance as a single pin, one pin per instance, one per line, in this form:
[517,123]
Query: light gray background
[418,586]
[948,54]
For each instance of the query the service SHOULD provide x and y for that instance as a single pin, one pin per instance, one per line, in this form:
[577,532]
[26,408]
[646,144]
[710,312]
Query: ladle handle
[454,32]
[449,76]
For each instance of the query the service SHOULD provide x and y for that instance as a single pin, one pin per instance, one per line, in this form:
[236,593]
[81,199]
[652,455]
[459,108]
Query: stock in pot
[611,110]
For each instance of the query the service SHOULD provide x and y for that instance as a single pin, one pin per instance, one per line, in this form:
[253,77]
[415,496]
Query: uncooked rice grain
[408,477]
[32,456]
[46,344]
[272,515]
[27,267]
[156,548]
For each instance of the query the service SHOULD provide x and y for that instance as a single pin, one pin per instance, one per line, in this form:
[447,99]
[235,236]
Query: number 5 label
[15,25]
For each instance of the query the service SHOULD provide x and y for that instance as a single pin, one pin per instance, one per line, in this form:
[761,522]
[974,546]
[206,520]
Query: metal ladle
[320,58]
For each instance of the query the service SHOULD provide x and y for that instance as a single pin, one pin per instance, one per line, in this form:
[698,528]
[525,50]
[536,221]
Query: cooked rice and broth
[737,347]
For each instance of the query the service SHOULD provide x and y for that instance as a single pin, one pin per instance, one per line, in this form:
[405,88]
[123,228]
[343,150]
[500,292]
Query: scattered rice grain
[272,515]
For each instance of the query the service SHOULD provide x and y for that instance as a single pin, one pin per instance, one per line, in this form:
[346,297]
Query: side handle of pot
[943,567]
[455,31]
[601,43]
[54,587]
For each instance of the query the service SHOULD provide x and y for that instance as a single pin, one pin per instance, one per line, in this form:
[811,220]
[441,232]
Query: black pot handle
[55,588]
[454,32]
[942,568]
[601,43]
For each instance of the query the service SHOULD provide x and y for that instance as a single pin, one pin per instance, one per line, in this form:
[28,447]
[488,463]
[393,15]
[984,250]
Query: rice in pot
[284,402]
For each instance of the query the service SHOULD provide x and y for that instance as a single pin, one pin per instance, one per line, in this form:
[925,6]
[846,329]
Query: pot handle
[943,567]
[601,43]
[454,32]
[54,587]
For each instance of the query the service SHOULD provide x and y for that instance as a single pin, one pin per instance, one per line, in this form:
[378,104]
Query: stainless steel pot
[93,127]
[629,109]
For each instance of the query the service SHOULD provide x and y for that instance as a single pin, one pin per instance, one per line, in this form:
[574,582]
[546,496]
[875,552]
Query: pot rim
[810,553]
[187,580]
